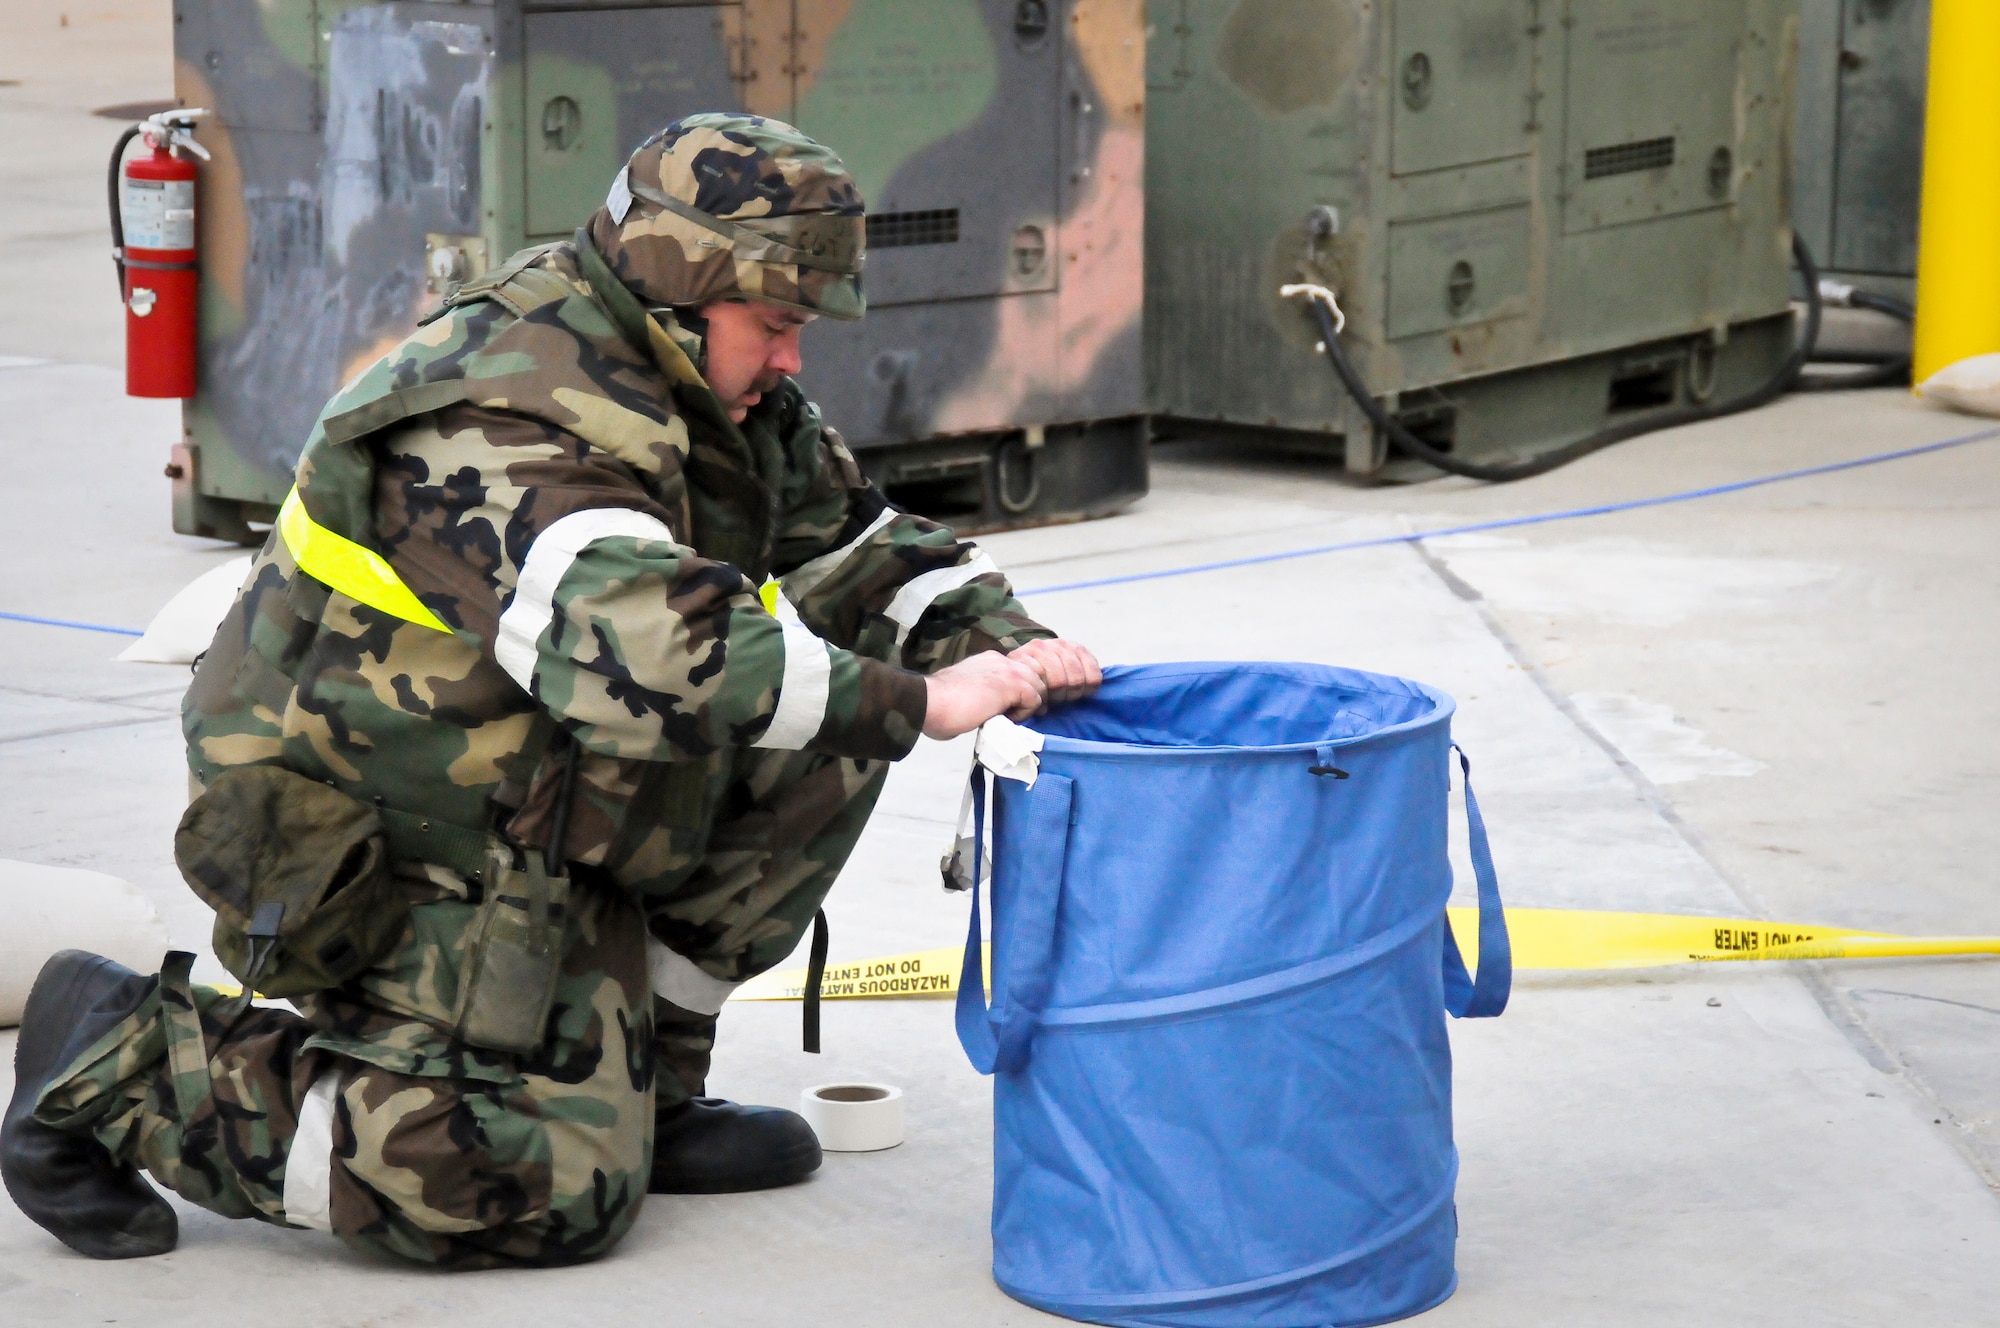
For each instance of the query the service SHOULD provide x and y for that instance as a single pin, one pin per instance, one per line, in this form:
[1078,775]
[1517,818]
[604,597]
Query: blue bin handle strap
[1465,997]
[999,1038]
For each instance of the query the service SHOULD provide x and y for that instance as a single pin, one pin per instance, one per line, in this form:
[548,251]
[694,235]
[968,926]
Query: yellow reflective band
[340,564]
[1549,938]
[768,593]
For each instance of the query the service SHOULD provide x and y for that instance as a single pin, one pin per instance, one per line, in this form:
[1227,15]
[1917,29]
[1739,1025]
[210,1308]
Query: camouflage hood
[715,206]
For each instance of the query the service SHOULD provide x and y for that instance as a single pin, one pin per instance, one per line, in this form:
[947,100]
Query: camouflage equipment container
[1541,216]
[368,156]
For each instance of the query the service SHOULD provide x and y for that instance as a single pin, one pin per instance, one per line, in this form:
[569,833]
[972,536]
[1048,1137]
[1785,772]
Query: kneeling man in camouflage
[515,762]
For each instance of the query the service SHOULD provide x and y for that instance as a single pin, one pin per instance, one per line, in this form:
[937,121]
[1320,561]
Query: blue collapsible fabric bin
[1221,968]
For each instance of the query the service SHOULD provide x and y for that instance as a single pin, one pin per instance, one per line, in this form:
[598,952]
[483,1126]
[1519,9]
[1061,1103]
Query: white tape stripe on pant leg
[802,695]
[920,592]
[309,1164]
[675,977]
[517,646]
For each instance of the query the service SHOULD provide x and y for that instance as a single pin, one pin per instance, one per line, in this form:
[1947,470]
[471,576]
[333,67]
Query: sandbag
[1971,385]
[1221,970]
[183,628]
[64,908]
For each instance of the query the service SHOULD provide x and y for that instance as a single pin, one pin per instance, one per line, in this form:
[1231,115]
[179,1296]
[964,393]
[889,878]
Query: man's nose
[785,358]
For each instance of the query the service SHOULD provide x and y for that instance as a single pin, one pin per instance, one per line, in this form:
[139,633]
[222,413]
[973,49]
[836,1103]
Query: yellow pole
[1958,238]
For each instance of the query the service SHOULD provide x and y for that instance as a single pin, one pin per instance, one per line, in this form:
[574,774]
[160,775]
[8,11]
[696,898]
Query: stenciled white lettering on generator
[675,977]
[919,593]
[549,559]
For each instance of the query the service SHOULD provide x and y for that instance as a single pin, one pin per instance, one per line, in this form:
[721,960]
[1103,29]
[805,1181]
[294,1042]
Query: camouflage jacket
[544,467]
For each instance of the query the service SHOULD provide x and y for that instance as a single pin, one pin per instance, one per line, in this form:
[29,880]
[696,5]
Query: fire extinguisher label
[159,214]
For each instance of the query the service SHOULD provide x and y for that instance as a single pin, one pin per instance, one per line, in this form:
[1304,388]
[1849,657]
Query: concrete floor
[1769,703]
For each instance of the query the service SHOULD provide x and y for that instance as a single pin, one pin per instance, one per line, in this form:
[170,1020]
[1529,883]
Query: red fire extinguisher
[153,245]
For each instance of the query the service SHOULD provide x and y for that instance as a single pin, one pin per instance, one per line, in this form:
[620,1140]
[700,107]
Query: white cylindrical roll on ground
[854,1118]
[47,909]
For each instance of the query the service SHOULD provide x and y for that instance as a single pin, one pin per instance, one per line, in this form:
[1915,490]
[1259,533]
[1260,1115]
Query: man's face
[752,344]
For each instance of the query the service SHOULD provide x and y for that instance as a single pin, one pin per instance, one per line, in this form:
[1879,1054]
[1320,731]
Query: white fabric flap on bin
[1008,750]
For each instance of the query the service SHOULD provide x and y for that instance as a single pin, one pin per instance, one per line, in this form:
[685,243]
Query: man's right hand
[978,688]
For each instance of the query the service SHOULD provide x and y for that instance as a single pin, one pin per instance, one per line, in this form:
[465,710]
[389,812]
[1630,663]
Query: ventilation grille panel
[1647,154]
[900,230]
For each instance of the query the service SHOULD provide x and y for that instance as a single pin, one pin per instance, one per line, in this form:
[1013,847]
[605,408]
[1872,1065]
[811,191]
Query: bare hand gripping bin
[1221,969]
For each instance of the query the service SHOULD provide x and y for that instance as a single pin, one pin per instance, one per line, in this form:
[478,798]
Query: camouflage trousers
[354,1117]
[731,897]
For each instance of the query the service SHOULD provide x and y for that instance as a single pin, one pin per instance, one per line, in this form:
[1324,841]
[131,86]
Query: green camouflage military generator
[1543,218]
[368,156]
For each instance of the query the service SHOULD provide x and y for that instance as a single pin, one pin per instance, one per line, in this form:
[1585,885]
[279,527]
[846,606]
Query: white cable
[1313,292]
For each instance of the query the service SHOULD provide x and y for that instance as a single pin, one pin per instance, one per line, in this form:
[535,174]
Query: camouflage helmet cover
[717,206]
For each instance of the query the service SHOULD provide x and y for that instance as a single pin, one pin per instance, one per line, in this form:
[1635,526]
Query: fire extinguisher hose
[115,189]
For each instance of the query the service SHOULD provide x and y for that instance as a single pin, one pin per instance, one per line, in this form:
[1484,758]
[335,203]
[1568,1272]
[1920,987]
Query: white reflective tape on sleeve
[674,977]
[549,559]
[803,692]
[920,592]
[804,579]
[309,1163]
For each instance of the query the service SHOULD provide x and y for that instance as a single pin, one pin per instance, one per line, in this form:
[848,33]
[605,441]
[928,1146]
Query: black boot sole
[69,1185]
[729,1149]
[787,1169]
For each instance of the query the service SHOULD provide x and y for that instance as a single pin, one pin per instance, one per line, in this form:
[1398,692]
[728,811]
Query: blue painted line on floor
[1504,523]
[65,622]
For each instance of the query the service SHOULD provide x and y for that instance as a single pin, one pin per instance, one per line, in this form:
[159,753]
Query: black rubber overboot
[708,1146]
[69,1183]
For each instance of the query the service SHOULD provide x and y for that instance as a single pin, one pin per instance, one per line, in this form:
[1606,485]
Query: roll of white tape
[854,1118]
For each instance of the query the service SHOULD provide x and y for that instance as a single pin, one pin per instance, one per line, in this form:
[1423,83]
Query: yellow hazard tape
[918,973]
[1584,939]
[357,572]
[1549,938]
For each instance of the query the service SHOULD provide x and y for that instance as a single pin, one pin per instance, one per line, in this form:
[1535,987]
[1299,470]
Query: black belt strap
[815,973]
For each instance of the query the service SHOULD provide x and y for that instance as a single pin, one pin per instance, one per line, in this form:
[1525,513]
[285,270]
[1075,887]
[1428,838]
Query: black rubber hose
[116,191]
[1888,373]
[1501,473]
[1891,372]
[1883,304]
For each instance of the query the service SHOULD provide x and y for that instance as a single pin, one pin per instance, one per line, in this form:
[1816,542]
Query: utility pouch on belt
[514,952]
[298,875]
